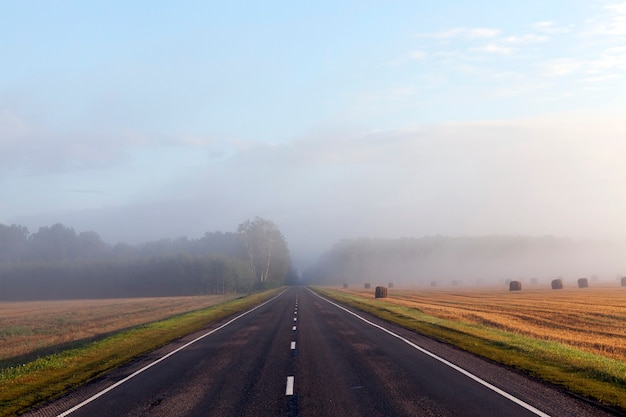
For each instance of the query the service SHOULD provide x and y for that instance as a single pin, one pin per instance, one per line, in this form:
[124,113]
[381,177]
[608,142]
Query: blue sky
[142,120]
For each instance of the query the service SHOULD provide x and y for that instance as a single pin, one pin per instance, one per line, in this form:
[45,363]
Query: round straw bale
[557,284]
[515,286]
[583,283]
[367,285]
[381,292]
[623,281]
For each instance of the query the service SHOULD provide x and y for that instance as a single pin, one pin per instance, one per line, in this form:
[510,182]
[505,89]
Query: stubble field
[590,319]
[38,327]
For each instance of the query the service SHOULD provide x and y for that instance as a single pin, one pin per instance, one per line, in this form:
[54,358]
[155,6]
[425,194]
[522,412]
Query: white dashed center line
[289,389]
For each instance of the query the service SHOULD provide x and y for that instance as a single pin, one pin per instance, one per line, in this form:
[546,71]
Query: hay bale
[534,281]
[623,281]
[594,278]
[390,285]
[515,286]
[583,283]
[507,281]
[557,284]
[455,283]
[433,283]
[381,292]
[345,285]
[367,286]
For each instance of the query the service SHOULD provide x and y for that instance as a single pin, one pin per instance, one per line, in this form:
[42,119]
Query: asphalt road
[301,355]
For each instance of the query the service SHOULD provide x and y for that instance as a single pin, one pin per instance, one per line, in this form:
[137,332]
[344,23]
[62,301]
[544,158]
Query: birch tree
[268,254]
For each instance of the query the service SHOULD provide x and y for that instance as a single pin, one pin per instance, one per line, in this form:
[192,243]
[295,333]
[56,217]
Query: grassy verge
[593,376]
[22,387]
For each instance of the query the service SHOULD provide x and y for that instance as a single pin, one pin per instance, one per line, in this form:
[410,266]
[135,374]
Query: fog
[559,176]
[444,262]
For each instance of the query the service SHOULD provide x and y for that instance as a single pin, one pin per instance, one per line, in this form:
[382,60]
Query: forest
[57,263]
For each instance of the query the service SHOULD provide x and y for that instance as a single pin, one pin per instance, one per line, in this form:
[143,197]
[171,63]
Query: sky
[335,119]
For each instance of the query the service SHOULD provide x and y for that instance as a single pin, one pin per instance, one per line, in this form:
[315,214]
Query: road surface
[302,355]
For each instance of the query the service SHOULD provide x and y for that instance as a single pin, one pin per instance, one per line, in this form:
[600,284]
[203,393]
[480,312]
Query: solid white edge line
[161,359]
[289,388]
[442,360]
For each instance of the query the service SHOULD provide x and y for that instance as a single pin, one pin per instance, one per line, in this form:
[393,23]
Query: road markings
[295,319]
[293,328]
[289,389]
[293,345]
[442,360]
[161,359]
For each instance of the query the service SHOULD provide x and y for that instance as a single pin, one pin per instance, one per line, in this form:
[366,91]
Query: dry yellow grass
[591,319]
[26,327]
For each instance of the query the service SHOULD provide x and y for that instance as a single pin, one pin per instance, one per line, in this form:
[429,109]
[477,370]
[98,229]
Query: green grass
[593,376]
[25,386]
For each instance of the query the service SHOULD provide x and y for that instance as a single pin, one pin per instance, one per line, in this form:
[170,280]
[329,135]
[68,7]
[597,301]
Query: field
[37,328]
[590,319]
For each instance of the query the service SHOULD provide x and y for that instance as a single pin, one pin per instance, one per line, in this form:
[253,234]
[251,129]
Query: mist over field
[469,262]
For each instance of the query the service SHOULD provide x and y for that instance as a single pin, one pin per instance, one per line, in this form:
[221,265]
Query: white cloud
[563,66]
[395,93]
[551,27]
[612,59]
[417,55]
[482,33]
[611,23]
[528,38]
[600,78]
[493,49]
[519,86]
[616,24]
[462,32]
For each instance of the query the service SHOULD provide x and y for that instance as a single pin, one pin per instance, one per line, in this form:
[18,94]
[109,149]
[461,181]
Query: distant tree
[54,243]
[13,241]
[268,254]
[91,246]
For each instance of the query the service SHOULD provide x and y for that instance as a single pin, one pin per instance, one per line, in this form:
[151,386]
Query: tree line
[446,260]
[57,263]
